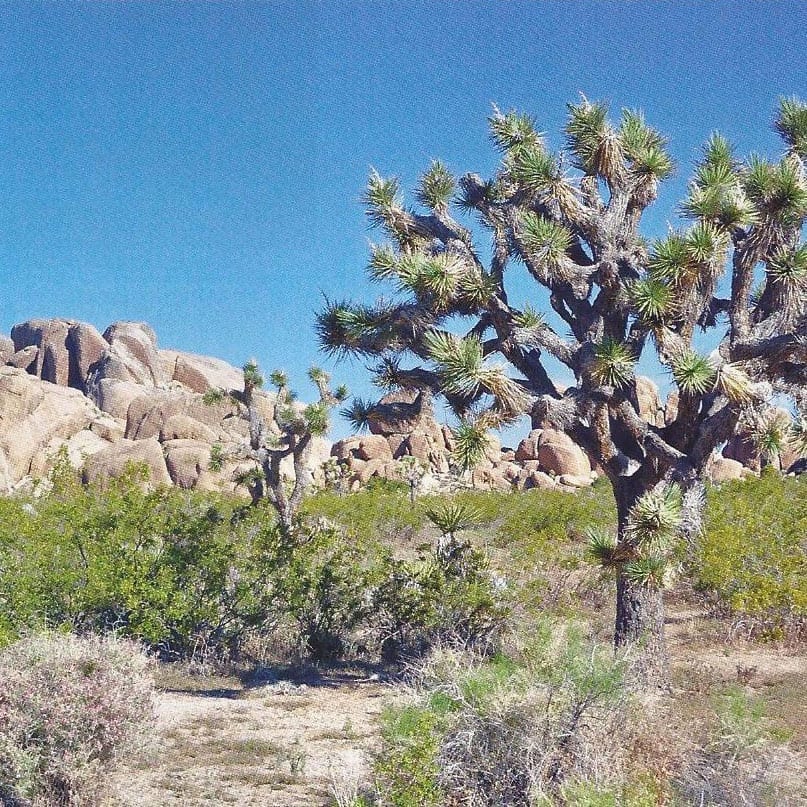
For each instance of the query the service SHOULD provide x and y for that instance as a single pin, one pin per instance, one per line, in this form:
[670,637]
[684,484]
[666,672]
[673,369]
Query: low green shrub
[752,554]
[70,708]
[499,730]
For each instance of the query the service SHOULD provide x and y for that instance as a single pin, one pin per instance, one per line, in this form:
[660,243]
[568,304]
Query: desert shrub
[498,730]
[324,588]
[69,709]
[168,567]
[419,603]
[752,555]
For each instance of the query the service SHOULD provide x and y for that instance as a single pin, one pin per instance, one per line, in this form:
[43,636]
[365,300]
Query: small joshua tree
[290,434]
[572,219]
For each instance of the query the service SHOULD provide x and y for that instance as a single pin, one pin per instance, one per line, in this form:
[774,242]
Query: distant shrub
[752,553]
[69,709]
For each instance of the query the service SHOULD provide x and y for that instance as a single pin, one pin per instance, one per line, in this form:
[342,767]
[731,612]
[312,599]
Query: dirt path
[279,745]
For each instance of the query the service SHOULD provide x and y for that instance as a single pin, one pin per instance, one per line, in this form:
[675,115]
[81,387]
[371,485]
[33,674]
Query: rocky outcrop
[131,356]
[36,419]
[65,349]
[7,349]
[118,457]
[200,373]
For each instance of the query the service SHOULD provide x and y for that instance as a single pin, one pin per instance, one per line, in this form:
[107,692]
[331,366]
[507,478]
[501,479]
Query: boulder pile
[116,397]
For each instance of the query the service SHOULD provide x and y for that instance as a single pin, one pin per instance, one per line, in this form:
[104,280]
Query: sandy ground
[275,745]
[284,744]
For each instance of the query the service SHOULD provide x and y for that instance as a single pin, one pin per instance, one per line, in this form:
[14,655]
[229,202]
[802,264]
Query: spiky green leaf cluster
[716,193]
[460,365]
[602,548]
[341,393]
[381,197]
[535,169]
[470,443]
[770,432]
[529,318]
[693,373]
[316,417]
[789,267]
[451,517]
[436,187]
[778,191]
[733,382]
[252,375]
[613,364]
[278,379]
[354,328]
[648,571]
[656,517]
[358,414]
[513,131]
[652,299]
[644,147]
[596,145]
[318,376]
[545,240]
[791,123]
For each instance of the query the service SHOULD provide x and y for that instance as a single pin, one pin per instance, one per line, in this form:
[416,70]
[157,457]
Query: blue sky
[199,165]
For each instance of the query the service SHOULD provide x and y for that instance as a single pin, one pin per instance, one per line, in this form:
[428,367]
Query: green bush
[752,553]
[499,730]
[70,708]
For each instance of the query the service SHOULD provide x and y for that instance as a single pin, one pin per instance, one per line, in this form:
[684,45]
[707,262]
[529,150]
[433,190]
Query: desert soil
[285,744]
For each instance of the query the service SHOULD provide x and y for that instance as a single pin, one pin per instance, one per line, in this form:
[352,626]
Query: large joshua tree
[573,220]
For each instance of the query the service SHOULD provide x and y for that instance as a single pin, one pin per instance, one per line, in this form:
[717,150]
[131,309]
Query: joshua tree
[573,220]
[290,434]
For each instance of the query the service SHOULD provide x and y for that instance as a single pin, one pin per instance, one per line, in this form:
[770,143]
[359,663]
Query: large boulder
[114,396]
[559,454]
[7,349]
[66,350]
[186,461]
[373,447]
[528,448]
[150,412]
[25,359]
[649,400]
[36,418]
[131,356]
[721,469]
[200,373]
[113,461]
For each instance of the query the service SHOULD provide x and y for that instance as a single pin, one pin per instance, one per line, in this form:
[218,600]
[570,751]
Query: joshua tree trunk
[639,623]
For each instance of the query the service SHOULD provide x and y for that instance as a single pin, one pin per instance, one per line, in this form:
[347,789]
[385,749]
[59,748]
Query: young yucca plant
[451,517]
[649,571]
[602,548]
[470,443]
[613,364]
[656,518]
[693,373]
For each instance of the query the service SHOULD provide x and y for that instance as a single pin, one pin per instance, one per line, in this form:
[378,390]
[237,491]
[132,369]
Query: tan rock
[346,448]
[364,472]
[721,469]
[186,461]
[36,417]
[114,460]
[114,396]
[538,479]
[150,411]
[650,406]
[558,453]
[572,481]
[200,373]
[7,349]
[373,447]
[131,356]
[65,349]
[184,427]
[108,428]
[671,408]
[397,445]
[528,448]
[25,359]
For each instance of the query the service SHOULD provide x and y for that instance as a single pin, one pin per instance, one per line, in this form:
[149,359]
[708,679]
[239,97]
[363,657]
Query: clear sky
[199,165]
